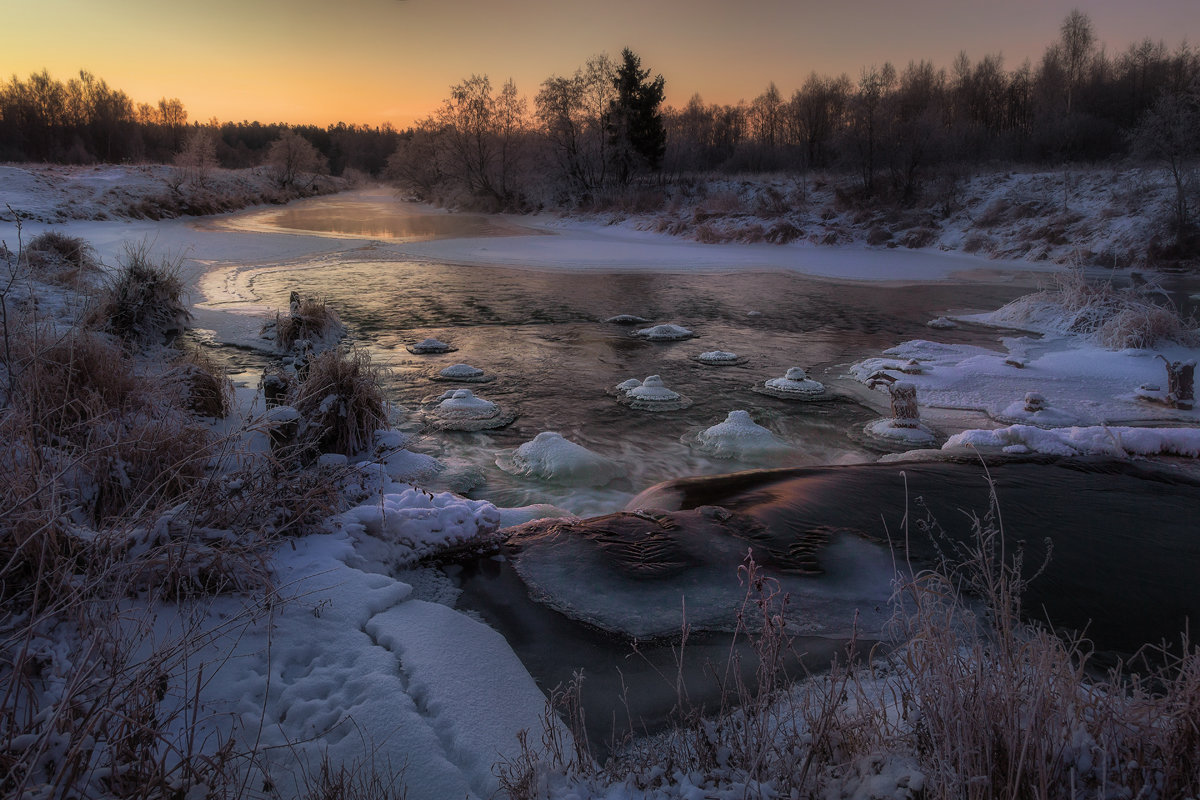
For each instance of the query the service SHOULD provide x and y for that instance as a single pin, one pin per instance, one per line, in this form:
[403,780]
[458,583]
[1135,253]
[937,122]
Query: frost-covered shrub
[207,390]
[341,402]
[59,258]
[143,304]
[310,319]
[1114,318]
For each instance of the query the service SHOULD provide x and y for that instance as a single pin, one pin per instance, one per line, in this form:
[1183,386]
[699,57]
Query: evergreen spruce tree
[635,124]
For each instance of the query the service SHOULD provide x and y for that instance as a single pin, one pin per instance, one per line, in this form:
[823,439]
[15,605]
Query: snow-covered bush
[341,402]
[143,304]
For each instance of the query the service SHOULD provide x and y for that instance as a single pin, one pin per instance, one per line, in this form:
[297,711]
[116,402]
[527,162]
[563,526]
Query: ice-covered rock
[463,404]
[739,437]
[664,333]
[893,431]
[625,386]
[428,346]
[461,373]
[654,395]
[627,319]
[550,457]
[461,410]
[719,358]
[941,323]
[794,385]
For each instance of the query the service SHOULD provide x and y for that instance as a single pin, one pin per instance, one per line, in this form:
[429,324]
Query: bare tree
[1167,135]
[291,156]
[196,160]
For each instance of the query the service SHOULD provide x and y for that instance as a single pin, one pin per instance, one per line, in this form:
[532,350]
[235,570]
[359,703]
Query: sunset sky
[371,61]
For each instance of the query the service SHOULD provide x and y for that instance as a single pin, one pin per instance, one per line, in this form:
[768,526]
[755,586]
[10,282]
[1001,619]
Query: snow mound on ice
[550,457]
[739,437]
[891,431]
[460,371]
[463,404]
[627,319]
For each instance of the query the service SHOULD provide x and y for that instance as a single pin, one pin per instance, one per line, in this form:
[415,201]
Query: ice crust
[429,346]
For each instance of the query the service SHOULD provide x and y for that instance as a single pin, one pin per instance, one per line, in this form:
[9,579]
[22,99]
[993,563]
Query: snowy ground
[349,664]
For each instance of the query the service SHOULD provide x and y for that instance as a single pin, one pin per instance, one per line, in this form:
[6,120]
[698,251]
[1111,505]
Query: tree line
[889,128]
[605,128]
[83,120]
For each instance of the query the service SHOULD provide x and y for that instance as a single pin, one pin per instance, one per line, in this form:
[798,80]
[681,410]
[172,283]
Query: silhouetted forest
[605,127]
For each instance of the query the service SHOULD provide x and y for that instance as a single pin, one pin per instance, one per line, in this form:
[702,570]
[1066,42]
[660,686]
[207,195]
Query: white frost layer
[1116,442]
[550,457]
[1097,385]
[795,382]
[740,437]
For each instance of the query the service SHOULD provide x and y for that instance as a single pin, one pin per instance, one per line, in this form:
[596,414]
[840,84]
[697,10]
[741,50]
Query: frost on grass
[309,324]
[143,303]
[1116,319]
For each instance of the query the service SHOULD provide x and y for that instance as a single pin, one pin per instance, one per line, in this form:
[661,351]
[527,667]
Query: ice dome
[664,333]
[627,319]
[550,457]
[794,384]
[719,358]
[461,410]
[1034,410]
[653,389]
[942,323]
[739,437]
[429,346]
[896,432]
[625,386]
[653,395]
[460,371]
[463,404]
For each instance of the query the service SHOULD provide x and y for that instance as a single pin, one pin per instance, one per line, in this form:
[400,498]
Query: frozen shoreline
[351,634]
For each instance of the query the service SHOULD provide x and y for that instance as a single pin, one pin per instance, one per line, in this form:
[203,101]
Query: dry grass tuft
[341,402]
[309,320]
[1114,318]
[207,389]
[58,258]
[143,304]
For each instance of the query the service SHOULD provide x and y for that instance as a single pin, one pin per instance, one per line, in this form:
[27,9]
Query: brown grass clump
[208,391]
[61,259]
[310,319]
[143,304]
[341,402]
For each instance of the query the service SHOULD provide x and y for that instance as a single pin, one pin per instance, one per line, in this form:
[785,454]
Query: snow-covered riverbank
[336,659]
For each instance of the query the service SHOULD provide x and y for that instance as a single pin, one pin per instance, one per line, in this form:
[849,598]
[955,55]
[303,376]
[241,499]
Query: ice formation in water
[794,385]
[550,457]
[739,437]
[461,410]
[426,346]
[719,358]
[652,395]
[627,319]
[942,323]
[624,386]
[461,373]
[1034,410]
[664,333]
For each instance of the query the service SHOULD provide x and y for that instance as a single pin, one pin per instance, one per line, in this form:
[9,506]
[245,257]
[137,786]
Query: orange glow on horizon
[376,61]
